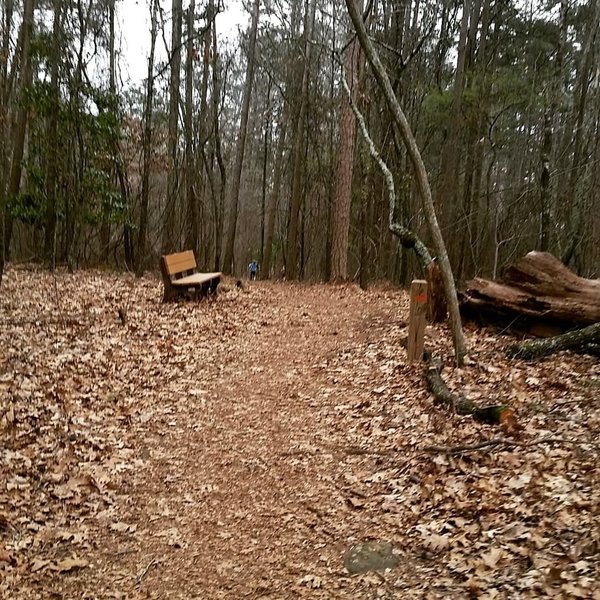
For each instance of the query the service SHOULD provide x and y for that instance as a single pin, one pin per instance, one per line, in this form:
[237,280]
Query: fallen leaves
[70,564]
[238,447]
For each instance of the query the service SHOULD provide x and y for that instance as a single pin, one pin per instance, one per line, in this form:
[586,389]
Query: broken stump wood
[462,406]
[580,339]
[416,322]
[437,309]
[538,294]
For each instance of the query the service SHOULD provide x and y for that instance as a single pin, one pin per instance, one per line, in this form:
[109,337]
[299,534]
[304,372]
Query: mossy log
[459,404]
[579,339]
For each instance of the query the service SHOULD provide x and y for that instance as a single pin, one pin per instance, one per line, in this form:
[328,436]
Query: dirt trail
[252,460]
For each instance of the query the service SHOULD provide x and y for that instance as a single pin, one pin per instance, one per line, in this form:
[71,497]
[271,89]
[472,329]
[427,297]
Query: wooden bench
[180,277]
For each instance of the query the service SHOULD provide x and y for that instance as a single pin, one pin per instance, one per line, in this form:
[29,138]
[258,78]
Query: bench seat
[195,279]
[180,276]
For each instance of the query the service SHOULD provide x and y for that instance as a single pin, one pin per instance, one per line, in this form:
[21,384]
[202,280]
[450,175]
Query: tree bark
[52,135]
[460,346]
[146,148]
[345,168]
[537,290]
[574,198]
[274,198]
[219,204]
[171,204]
[296,196]
[241,144]
[191,225]
[14,181]
[447,189]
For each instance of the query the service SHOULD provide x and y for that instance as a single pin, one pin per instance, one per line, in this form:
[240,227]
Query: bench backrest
[180,262]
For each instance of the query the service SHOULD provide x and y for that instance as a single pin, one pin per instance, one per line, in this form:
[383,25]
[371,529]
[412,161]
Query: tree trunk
[274,197]
[147,148]
[545,196]
[203,135]
[241,144]
[14,181]
[447,189]
[171,204]
[460,346]
[574,198]
[345,168]
[296,195]
[550,121]
[265,159]
[52,158]
[219,205]
[191,225]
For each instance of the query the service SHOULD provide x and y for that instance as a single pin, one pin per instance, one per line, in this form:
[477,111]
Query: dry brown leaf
[38,564]
[435,542]
[4,556]
[492,558]
[70,564]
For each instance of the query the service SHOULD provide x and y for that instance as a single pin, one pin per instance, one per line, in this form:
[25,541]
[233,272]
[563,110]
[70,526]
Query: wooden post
[416,324]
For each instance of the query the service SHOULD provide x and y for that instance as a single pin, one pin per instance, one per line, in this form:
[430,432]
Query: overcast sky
[134,29]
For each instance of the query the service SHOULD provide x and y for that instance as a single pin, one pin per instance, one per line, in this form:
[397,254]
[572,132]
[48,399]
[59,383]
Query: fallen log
[493,414]
[580,339]
[538,294]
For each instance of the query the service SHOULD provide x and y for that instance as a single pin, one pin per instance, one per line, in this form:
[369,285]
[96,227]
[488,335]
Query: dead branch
[150,565]
[460,405]
[496,442]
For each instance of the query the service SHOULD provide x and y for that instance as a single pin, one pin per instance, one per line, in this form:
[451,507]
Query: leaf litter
[240,448]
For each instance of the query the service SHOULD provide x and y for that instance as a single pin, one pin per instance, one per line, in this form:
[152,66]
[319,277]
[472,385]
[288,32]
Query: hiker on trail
[252,270]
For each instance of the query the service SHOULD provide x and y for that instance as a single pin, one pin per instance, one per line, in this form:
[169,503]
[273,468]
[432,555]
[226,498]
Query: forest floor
[239,448]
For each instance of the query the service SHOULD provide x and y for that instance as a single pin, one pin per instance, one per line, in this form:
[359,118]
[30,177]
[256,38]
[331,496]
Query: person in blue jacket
[253,270]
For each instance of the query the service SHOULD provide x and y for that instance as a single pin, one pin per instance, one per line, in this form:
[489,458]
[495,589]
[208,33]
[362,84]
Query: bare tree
[296,194]
[460,346]
[14,181]
[191,228]
[147,145]
[345,168]
[241,144]
[168,244]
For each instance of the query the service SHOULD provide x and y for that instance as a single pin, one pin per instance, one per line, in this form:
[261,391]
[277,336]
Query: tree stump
[437,309]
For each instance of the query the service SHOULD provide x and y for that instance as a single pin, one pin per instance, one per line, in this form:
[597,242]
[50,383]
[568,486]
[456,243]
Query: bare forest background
[249,150]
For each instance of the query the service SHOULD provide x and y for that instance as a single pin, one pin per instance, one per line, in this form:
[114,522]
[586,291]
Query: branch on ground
[496,442]
[494,414]
[580,339]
